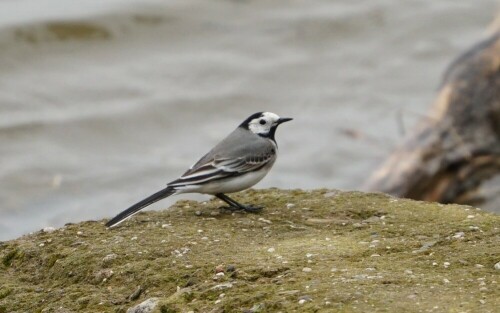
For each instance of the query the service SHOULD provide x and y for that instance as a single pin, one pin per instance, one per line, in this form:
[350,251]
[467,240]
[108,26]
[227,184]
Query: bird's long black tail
[140,205]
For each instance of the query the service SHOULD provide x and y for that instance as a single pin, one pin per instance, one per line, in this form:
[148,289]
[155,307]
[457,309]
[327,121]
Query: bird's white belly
[228,185]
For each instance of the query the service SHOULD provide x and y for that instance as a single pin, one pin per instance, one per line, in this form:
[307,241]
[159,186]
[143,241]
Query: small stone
[214,213]
[375,255]
[307,269]
[331,193]
[79,233]
[459,235]
[222,286]
[41,245]
[409,272]
[204,238]
[200,231]
[446,264]
[497,266]
[136,294]
[263,220]
[48,229]
[290,205]
[470,216]
[110,257]
[319,221]
[446,281]
[197,213]
[304,299]
[166,226]
[103,275]
[425,246]
[309,255]
[133,238]
[231,268]
[219,269]
[288,292]
[144,307]
[257,308]
[372,219]
[271,250]
[478,266]
[218,301]
[482,301]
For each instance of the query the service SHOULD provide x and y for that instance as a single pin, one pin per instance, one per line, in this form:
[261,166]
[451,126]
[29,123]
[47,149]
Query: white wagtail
[238,162]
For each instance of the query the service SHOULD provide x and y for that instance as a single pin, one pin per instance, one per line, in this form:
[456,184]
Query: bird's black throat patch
[270,134]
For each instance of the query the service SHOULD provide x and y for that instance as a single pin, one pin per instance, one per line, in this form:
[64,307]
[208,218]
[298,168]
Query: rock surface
[365,252]
[145,307]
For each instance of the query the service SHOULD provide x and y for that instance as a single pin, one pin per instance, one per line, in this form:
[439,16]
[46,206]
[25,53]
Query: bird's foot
[246,208]
[252,209]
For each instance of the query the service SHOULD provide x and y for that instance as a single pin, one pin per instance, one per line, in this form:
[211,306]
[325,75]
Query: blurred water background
[104,102]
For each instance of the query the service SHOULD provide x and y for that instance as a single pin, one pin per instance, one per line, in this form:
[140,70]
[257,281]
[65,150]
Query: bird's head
[263,123]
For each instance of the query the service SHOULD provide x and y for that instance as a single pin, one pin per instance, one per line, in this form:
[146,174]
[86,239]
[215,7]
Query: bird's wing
[222,167]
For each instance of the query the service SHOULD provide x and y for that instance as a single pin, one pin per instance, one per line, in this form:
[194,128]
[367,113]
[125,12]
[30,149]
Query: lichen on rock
[363,252]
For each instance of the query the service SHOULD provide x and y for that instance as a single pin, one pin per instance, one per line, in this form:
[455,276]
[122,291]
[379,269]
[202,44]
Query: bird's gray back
[239,143]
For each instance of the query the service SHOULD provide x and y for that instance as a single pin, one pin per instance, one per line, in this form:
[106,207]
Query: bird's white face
[262,125]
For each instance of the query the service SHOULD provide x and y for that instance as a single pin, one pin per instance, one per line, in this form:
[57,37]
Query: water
[103,103]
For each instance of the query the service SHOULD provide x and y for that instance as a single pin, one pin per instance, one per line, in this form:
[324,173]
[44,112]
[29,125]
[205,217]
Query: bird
[238,162]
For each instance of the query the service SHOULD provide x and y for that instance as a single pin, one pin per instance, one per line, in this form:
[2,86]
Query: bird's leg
[233,204]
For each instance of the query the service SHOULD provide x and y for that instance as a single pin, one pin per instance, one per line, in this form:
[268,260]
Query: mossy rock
[307,251]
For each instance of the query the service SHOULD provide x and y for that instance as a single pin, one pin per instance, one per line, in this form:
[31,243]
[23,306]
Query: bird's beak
[284,119]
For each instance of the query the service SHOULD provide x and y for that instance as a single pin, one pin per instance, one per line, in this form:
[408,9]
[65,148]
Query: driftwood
[453,156]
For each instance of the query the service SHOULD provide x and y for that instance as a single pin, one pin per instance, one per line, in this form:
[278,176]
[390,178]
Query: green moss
[4,292]
[9,257]
[365,252]
[165,308]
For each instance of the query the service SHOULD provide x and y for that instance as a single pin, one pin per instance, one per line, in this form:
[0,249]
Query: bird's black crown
[250,118]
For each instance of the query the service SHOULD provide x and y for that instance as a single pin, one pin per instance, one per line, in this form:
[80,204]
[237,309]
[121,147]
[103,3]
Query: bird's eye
[262,122]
